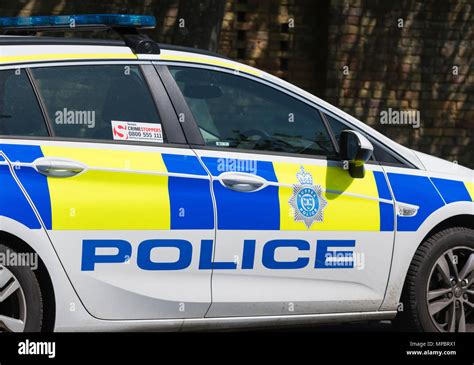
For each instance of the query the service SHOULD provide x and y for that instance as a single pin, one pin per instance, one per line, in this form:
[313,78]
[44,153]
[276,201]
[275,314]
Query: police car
[152,187]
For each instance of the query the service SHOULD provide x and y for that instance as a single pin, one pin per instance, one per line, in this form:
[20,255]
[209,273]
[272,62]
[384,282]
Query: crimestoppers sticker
[138,132]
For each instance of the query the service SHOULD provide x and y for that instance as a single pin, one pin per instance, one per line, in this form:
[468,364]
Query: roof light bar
[125,25]
[73,21]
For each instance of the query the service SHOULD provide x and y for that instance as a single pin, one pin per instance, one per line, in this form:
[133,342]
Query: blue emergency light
[72,21]
[125,25]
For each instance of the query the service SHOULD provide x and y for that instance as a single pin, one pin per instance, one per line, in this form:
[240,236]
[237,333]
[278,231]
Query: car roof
[33,49]
[8,40]
[24,49]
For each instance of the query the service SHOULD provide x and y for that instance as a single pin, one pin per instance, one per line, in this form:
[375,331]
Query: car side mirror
[356,149]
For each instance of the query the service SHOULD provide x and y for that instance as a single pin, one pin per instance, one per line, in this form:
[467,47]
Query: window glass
[99,102]
[20,114]
[336,127]
[235,112]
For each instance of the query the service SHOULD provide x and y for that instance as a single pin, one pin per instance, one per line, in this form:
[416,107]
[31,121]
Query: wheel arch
[461,220]
[458,214]
[43,276]
[415,318]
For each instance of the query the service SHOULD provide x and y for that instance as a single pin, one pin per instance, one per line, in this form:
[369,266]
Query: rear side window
[20,114]
[105,102]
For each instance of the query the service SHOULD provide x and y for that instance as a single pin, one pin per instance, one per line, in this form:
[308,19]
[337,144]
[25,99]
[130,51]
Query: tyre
[439,289]
[21,306]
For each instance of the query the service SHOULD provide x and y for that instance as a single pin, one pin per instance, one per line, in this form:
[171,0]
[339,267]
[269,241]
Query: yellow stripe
[211,62]
[101,200]
[65,56]
[470,189]
[342,212]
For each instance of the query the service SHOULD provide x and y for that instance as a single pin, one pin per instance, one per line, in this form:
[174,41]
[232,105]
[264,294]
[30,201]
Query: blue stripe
[191,204]
[382,186]
[21,153]
[13,204]
[245,211]
[416,190]
[190,199]
[182,164]
[386,217]
[386,209]
[35,184]
[452,190]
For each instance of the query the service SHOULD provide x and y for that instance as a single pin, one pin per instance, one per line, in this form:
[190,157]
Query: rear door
[296,234]
[125,202]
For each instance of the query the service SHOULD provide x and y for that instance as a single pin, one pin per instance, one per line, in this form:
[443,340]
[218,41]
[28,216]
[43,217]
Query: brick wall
[368,56]
[353,53]
[283,37]
[407,55]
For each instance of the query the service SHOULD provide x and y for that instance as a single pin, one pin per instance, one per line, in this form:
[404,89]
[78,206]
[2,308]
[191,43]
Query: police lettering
[326,251]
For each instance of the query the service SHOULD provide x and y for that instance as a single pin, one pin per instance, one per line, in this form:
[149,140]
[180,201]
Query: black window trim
[168,118]
[198,141]
[276,153]
[330,131]
[156,88]
[95,141]
[262,152]
[189,125]
[40,101]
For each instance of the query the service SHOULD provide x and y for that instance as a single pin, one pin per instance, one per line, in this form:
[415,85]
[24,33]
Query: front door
[296,234]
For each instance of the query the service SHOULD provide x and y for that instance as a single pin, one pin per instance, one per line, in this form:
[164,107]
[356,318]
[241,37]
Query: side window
[336,127]
[380,154]
[105,102]
[235,112]
[20,114]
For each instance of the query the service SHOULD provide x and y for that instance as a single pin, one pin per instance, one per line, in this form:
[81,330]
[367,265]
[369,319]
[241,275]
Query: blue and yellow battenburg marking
[115,200]
[269,209]
[126,200]
[134,201]
[429,194]
[14,204]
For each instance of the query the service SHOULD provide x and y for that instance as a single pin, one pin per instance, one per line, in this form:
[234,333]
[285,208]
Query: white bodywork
[109,299]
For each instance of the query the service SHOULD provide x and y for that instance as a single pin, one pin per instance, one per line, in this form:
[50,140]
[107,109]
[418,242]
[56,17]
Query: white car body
[124,297]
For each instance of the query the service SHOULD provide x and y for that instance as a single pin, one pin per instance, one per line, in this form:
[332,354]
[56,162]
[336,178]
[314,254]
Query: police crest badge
[307,200]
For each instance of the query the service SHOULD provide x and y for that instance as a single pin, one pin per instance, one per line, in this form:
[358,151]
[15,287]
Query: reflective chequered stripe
[143,190]
[344,212]
[109,200]
[123,190]
[353,204]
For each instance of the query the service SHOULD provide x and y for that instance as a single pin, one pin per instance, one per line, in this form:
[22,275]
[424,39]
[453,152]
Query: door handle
[242,182]
[58,167]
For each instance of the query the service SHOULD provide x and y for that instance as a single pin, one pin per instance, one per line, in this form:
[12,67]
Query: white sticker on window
[138,132]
